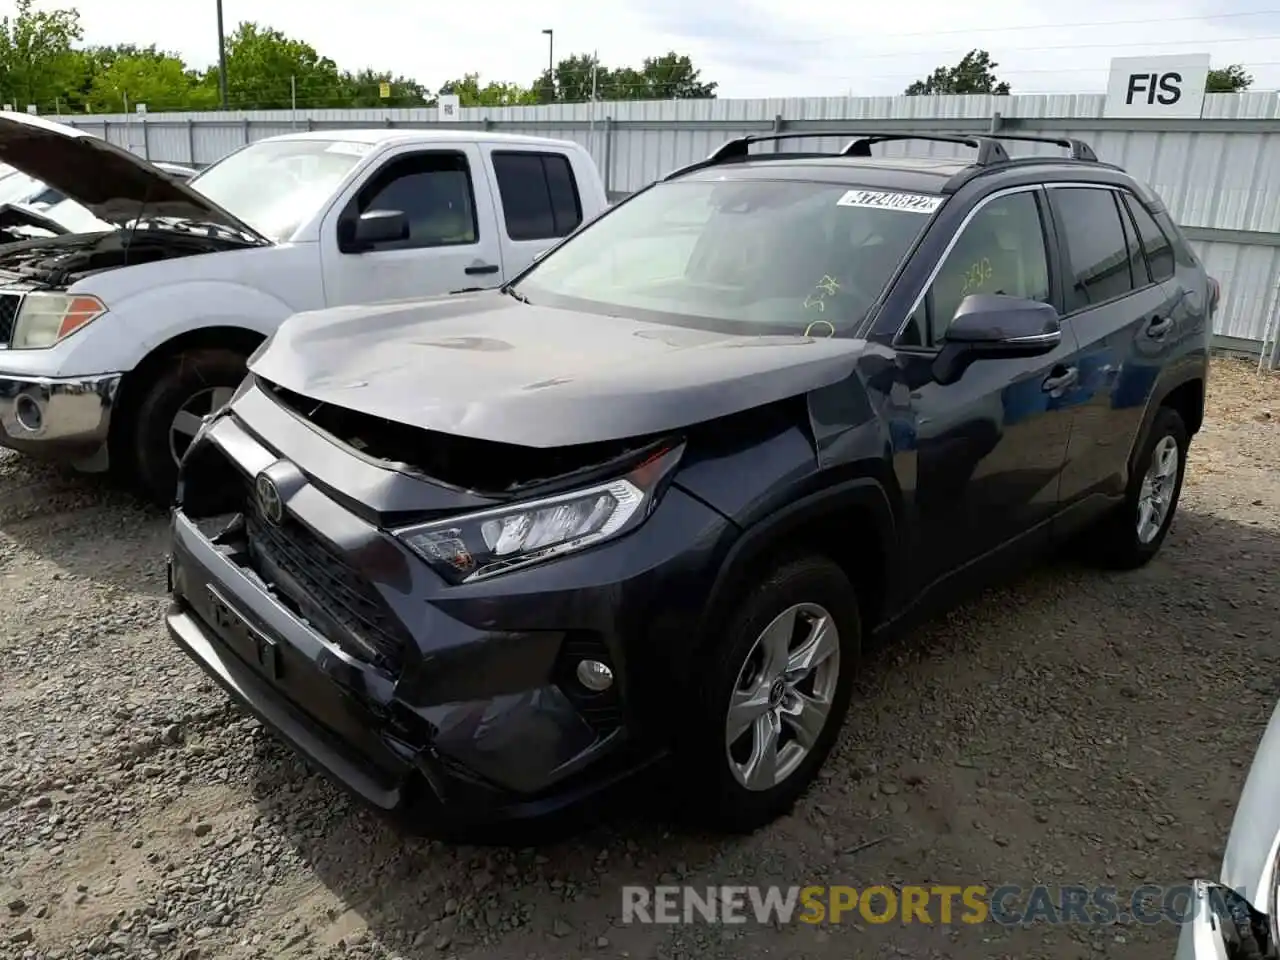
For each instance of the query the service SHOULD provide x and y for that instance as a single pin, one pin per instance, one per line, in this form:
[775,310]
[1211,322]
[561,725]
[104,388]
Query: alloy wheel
[1156,494]
[187,421]
[783,696]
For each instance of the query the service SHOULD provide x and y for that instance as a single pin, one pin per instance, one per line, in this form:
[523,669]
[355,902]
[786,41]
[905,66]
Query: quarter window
[539,195]
[1001,251]
[1156,245]
[1095,240]
[433,191]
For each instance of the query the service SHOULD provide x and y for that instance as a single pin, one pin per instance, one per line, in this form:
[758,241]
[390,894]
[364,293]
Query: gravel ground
[1069,728]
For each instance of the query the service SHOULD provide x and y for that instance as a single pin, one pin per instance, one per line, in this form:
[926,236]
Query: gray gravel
[1071,727]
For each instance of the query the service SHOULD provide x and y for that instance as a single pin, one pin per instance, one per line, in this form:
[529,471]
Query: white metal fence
[1220,175]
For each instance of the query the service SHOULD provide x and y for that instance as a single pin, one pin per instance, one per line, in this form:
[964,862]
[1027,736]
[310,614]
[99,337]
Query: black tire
[1114,543]
[146,445]
[713,797]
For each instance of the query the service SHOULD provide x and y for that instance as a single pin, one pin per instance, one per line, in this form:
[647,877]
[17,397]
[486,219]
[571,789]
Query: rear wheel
[189,386]
[1131,535]
[773,696]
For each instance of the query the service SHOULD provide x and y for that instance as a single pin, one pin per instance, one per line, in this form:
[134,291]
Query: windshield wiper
[511,292]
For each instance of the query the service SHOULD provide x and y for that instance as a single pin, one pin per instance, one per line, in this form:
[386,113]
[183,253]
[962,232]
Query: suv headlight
[47,318]
[490,542]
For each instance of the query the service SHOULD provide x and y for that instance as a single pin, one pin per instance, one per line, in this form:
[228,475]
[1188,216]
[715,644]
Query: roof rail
[989,150]
[1078,149]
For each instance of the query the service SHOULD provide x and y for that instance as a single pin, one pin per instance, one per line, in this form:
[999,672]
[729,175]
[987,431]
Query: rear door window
[1155,244]
[1096,247]
[540,198]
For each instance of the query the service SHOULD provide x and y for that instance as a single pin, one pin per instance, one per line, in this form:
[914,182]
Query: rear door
[1122,316]
[453,241]
[537,198]
[989,447]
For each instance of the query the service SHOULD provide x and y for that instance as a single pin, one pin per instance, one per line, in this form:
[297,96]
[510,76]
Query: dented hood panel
[489,367]
[109,181]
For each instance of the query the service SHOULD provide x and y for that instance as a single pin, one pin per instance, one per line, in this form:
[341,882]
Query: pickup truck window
[434,192]
[539,194]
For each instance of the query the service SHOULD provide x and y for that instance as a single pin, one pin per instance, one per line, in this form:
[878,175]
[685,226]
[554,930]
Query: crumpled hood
[489,367]
[110,182]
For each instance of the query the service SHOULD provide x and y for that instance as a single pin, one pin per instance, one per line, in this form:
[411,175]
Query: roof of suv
[855,164]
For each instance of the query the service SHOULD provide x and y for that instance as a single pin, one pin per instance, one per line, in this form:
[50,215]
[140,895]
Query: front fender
[137,324]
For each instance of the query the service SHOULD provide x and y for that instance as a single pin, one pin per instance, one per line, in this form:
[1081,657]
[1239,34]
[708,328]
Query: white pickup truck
[115,343]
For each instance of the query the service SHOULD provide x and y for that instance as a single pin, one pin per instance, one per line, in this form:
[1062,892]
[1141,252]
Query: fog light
[594,675]
[28,414]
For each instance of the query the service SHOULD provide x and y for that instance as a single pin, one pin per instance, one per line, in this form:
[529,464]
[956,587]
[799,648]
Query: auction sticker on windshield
[884,200]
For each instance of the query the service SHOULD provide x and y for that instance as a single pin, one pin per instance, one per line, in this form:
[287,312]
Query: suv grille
[326,590]
[9,304]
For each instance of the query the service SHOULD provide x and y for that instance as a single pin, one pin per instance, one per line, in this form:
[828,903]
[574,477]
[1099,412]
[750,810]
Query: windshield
[17,187]
[274,186]
[754,256]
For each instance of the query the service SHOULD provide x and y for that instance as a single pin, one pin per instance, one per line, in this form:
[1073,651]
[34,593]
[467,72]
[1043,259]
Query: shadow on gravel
[84,525]
[1063,655]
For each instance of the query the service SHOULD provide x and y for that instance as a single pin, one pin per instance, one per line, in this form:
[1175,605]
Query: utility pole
[222,58]
[551,61]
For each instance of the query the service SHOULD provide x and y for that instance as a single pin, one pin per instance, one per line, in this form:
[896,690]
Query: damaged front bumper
[429,701]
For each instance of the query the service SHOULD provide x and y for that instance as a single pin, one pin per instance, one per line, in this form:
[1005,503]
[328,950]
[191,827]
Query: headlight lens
[485,544]
[46,318]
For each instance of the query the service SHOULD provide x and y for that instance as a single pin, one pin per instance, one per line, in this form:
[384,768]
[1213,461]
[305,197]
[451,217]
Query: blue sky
[753,48]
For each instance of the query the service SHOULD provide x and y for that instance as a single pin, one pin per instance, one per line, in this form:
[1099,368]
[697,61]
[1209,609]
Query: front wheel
[188,387]
[774,696]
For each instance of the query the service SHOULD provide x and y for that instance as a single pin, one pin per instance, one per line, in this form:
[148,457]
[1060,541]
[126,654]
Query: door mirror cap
[373,228]
[989,326]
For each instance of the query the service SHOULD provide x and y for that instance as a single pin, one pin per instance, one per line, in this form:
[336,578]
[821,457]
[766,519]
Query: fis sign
[1162,87]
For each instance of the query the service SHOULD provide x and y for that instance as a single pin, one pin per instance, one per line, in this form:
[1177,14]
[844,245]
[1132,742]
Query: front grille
[324,587]
[9,304]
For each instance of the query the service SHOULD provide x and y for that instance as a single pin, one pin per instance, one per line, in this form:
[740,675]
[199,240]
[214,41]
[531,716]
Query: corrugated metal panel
[1249,276]
[1213,178]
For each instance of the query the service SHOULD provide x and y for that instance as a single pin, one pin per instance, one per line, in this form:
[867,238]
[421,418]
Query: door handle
[482,268]
[1060,381]
[1158,327]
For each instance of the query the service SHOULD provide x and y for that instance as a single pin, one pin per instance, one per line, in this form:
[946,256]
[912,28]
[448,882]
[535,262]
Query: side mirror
[989,326]
[371,229]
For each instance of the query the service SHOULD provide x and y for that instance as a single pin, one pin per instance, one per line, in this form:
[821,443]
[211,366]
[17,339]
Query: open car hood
[111,183]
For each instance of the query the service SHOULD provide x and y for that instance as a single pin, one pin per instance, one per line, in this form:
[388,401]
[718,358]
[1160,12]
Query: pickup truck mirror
[990,326]
[372,228]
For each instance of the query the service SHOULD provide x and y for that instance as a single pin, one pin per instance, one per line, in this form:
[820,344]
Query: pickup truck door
[538,197]
[453,230]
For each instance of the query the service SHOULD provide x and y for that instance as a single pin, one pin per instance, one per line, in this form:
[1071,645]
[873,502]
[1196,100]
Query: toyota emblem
[269,503]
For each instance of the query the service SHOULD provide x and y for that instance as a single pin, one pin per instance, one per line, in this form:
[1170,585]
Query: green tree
[37,62]
[122,77]
[493,94]
[262,63]
[671,76]
[364,89]
[975,73]
[1230,79]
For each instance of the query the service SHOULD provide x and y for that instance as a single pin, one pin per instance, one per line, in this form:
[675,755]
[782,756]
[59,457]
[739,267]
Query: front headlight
[490,542]
[47,318]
